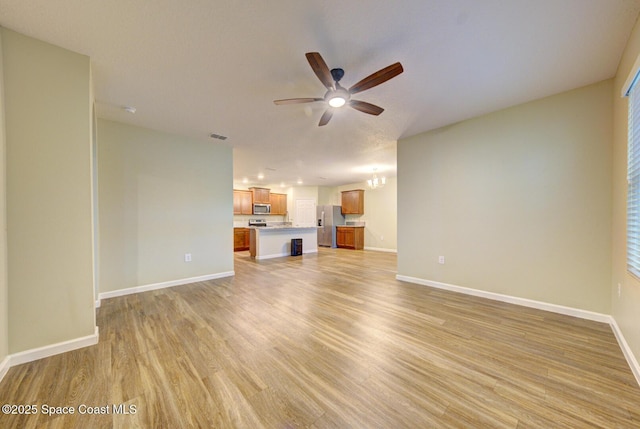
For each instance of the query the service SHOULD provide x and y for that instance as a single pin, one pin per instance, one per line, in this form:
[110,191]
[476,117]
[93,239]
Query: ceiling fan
[338,96]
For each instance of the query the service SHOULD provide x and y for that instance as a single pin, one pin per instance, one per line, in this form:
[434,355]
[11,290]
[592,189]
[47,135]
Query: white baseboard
[161,285]
[626,350]
[4,366]
[569,311]
[77,343]
[46,351]
[53,349]
[381,249]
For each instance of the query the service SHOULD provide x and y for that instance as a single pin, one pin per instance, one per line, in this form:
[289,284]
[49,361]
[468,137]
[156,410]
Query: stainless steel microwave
[261,208]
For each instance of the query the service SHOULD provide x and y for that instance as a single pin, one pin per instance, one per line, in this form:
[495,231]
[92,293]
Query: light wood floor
[330,341]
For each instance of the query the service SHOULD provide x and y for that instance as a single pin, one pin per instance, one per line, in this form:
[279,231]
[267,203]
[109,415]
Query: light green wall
[518,201]
[626,307]
[328,196]
[4,303]
[161,196]
[48,158]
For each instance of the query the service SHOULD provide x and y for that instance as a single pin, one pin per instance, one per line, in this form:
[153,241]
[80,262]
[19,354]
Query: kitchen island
[275,241]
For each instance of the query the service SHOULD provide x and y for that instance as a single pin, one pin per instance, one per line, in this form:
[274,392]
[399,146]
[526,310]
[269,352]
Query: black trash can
[296,246]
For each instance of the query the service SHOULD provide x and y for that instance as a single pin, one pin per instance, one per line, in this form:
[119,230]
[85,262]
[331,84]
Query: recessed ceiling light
[129,109]
[299,181]
[245,180]
[260,176]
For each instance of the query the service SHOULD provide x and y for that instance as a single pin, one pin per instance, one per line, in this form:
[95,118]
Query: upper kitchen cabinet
[242,202]
[353,202]
[278,204]
[260,195]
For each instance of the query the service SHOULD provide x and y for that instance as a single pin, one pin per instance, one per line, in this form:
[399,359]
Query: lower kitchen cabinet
[240,239]
[350,237]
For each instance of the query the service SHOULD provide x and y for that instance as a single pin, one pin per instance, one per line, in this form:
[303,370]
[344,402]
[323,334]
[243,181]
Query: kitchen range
[258,222]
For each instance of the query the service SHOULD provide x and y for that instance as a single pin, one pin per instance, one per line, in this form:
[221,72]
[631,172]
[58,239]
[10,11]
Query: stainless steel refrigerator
[328,217]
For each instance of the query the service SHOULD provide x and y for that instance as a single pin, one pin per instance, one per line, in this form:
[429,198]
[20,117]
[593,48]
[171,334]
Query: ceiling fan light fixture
[337,98]
[337,101]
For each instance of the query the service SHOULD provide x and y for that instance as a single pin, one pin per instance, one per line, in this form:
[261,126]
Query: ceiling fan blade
[320,69]
[377,78]
[326,116]
[365,107]
[296,100]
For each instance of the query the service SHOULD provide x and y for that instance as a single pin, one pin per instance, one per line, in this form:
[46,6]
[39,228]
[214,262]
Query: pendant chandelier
[376,182]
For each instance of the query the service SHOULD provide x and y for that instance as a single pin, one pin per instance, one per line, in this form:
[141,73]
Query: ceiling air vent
[217,136]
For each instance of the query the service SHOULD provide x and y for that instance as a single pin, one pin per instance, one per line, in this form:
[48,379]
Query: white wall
[518,201]
[48,159]
[162,196]
[626,306]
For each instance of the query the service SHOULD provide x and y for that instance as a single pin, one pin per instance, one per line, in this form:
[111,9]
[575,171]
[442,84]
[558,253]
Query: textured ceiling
[201,66]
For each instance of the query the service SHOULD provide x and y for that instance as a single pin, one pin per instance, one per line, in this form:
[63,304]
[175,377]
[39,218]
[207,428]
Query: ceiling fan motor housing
[337,74]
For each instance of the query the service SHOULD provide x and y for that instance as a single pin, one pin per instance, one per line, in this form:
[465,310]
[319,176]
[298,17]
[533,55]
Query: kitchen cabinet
[241,238]
[350,237]
[260,195]
[353,202]
[278,204]
[242,202]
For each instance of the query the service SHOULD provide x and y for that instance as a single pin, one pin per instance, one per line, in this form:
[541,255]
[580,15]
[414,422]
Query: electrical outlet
[187,257]
[382,238]
[619,290]
[441,259]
